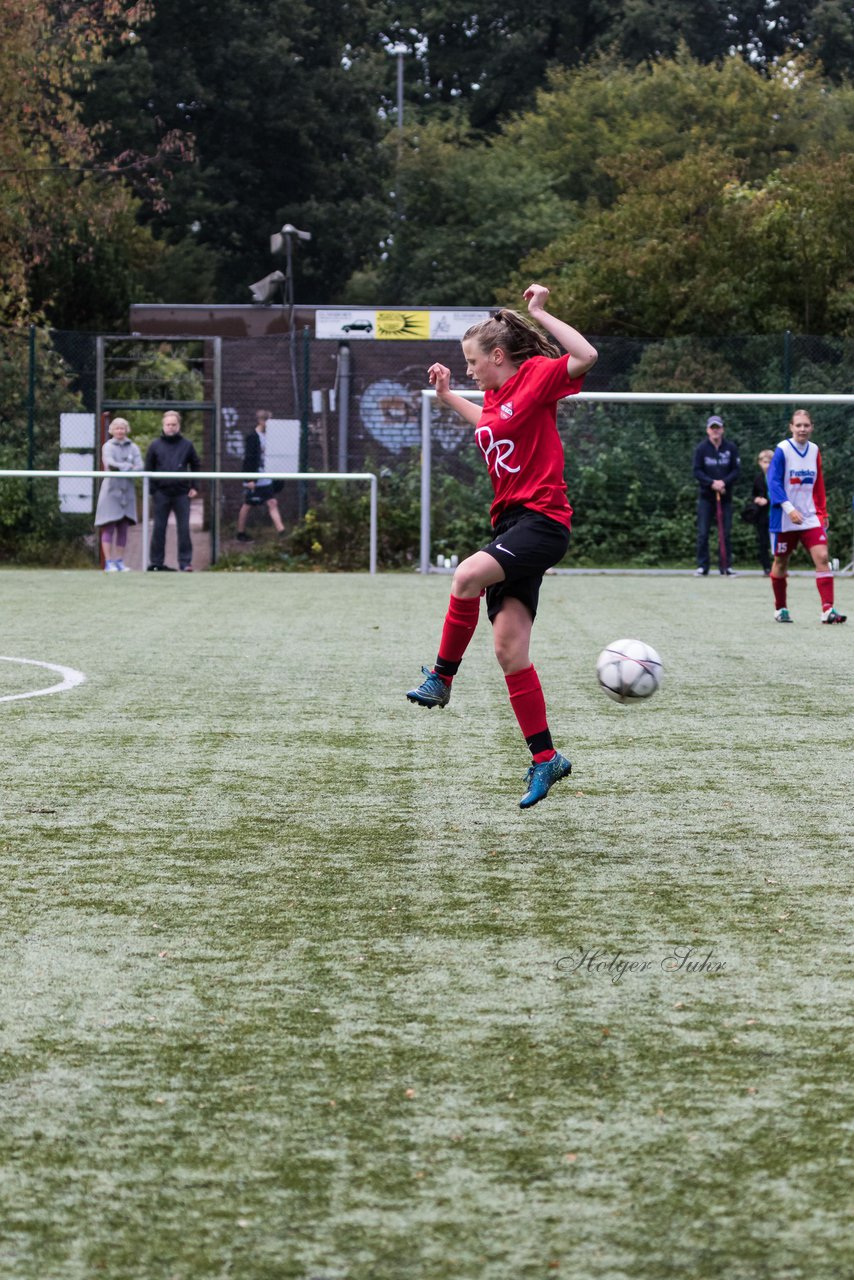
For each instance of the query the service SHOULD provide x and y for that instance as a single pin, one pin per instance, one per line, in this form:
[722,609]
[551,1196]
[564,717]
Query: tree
[831,38]
[492,60]
[53,193]
[285,129]
[469,212]
[690,247]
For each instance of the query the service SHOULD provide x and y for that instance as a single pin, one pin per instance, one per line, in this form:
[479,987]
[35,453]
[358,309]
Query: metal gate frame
[213,406]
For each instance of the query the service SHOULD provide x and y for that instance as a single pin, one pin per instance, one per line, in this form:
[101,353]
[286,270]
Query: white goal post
[428,398]
[145,476]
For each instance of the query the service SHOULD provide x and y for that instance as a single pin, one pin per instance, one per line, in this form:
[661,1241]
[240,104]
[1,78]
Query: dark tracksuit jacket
[716,464]
[172,453]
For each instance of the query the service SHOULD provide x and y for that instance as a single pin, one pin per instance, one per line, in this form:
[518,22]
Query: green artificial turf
[291,987]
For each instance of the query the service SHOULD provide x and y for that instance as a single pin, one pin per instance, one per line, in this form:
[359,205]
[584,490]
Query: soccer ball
[629,669]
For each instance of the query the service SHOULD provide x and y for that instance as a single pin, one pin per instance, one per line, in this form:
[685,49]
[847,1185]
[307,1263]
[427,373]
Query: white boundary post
[145,530]
[617,397]
[427,398]
[219,475]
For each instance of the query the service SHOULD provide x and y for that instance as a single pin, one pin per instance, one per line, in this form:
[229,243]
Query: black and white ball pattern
[629,670]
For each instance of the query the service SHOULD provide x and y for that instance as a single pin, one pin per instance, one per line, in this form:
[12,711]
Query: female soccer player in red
[522,375]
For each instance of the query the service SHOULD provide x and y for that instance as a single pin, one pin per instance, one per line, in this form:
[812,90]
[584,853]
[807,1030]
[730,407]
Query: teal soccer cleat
[833,615]
[782,615]
[541,777]
[433,692]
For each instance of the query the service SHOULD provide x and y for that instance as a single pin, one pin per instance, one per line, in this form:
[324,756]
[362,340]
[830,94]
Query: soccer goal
[629,457]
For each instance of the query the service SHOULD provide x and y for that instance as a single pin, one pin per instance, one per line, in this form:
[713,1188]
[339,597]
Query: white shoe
[701,573]
[111,567]
[122,567]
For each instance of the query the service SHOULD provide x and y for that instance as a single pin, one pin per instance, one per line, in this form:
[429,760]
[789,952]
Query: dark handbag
[278,486]
[750,513]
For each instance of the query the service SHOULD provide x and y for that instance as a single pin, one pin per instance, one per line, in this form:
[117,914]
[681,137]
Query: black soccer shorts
[526,543]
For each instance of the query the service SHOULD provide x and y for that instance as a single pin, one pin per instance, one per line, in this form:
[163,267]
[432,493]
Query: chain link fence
[356,407]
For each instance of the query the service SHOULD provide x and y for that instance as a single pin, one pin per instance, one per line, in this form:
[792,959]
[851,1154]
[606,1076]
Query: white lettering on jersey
[502,449]
[507,409]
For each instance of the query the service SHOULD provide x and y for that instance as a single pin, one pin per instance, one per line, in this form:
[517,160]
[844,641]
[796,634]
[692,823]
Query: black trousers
[763,541]
[163,504]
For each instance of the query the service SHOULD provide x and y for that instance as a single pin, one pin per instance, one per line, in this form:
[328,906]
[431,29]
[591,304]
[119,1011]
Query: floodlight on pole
[265,290]
[283,240]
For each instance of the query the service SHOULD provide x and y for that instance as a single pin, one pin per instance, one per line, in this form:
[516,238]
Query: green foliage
[672,197]
[334,533]
[67,214]
[284,126]
[699,218]
[93,287]
[469,211]
[32,528]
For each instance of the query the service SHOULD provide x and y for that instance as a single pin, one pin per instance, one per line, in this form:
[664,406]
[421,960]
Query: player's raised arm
[582,355]
[440,378]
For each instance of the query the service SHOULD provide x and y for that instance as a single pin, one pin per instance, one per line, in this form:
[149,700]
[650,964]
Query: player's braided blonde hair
[518,336]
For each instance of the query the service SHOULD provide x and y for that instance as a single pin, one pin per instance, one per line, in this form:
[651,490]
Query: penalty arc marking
[70,679]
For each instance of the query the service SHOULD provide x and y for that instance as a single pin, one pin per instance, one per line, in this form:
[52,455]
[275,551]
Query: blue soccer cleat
[541,777]
[833,615]
[782,615]
[433,692]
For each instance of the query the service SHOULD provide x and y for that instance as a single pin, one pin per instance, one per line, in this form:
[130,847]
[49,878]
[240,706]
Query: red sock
[529,707]
[779,585]
[824,582]
[460,624]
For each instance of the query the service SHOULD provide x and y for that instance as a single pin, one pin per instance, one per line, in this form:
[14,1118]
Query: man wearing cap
[716,468]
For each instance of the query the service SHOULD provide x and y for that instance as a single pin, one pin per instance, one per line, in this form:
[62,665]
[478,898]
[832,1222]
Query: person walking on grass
[116,509]
[799,515]
[523,374]
[261,492]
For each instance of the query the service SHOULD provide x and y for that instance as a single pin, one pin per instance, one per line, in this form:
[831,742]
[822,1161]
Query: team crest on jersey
[507,409]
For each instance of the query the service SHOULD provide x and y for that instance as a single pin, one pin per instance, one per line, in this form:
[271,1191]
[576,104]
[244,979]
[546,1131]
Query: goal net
[629,473]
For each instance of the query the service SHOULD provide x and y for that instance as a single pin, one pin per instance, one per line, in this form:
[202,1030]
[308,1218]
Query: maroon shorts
[783,544]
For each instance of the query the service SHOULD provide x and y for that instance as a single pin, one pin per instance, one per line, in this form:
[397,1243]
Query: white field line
[70,679]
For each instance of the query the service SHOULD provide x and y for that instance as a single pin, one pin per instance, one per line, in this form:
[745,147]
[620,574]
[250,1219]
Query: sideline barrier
[145,476]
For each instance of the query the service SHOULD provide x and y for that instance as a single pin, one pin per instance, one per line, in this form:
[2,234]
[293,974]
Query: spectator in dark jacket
[716,468]
[171,452]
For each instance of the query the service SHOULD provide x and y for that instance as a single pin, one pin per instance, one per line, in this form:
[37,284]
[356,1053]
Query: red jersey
[517,435]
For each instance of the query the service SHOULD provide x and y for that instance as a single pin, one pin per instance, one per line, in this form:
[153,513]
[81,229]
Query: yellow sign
[403,324]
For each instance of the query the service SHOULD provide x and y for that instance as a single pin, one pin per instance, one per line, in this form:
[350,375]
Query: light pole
[399,51]
[280,240]
[284,239]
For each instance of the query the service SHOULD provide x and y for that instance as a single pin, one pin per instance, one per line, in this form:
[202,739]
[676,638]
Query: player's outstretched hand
[535,296]
[440,378]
